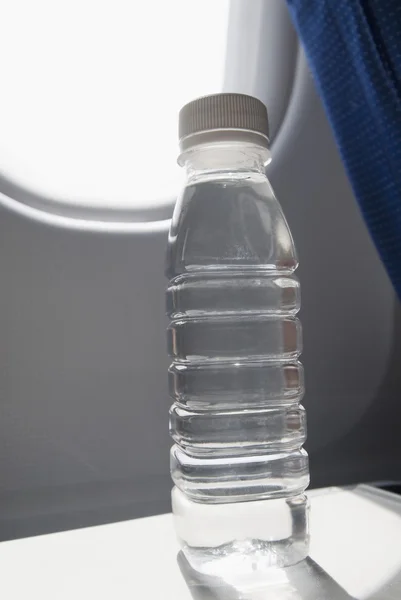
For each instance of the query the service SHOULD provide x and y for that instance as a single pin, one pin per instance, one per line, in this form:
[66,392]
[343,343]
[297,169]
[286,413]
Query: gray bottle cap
[222,117]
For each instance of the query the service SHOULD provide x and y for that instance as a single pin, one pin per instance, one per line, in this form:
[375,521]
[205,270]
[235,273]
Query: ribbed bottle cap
[223,117]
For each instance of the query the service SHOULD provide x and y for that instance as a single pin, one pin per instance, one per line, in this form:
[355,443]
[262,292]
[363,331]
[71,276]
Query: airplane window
[90,91]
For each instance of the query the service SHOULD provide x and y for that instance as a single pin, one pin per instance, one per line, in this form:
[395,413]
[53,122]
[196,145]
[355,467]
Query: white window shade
[90,92]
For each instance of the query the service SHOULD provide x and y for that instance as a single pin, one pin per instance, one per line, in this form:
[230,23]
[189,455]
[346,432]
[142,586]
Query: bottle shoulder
[229,224]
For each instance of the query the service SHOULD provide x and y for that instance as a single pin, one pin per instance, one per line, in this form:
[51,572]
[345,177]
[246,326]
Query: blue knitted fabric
[354,51]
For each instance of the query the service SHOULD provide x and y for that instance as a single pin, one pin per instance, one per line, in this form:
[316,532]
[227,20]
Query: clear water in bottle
[236,382]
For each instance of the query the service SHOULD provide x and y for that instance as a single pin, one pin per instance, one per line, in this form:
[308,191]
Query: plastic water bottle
[237,464]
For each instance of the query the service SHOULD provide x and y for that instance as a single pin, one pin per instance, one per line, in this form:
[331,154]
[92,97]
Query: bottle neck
[221,160]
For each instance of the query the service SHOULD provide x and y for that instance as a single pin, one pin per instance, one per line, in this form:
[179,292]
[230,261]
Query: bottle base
[240,539]
[245,557]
